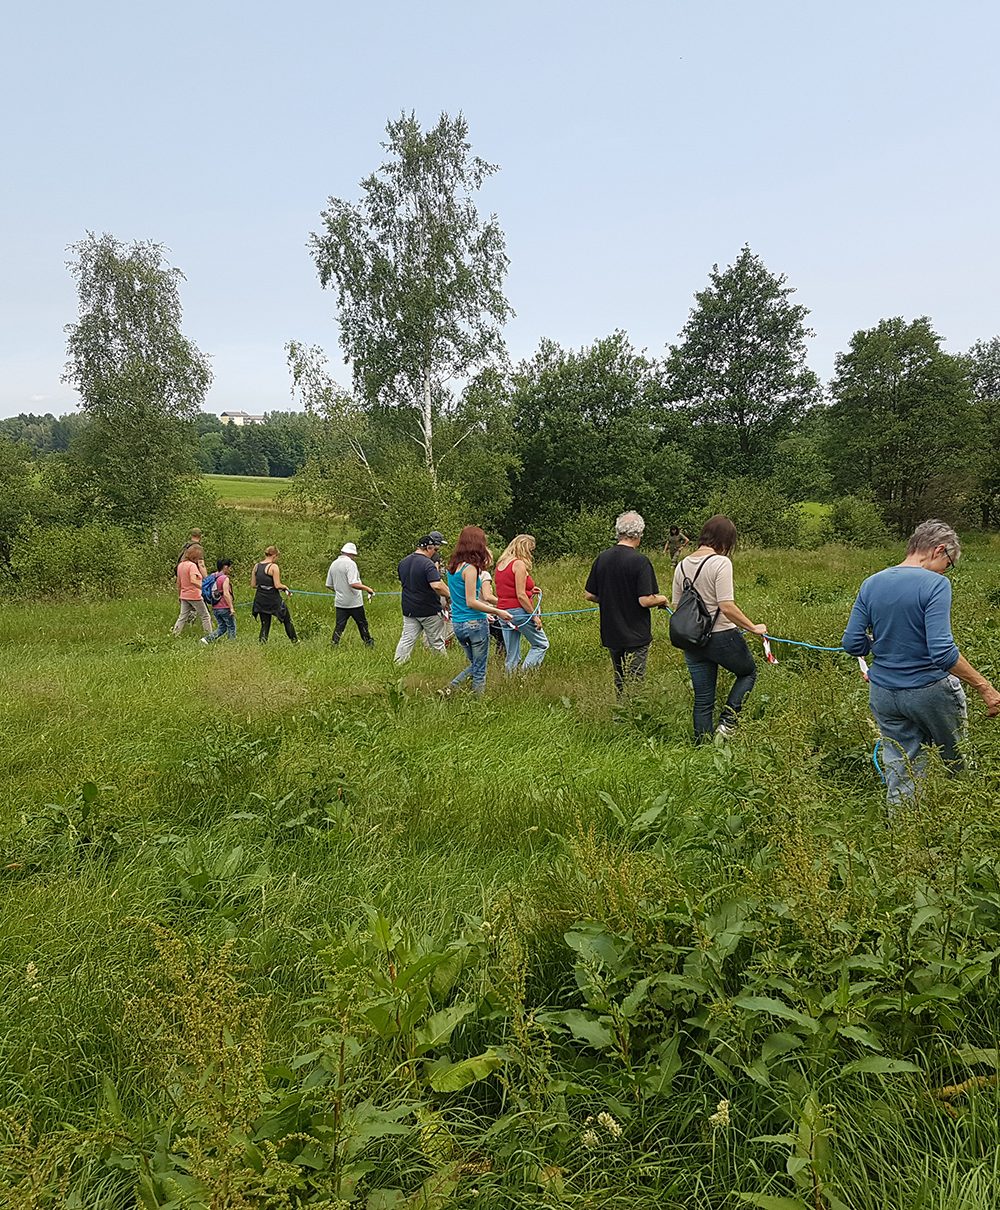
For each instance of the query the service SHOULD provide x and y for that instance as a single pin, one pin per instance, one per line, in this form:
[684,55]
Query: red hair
[470,548]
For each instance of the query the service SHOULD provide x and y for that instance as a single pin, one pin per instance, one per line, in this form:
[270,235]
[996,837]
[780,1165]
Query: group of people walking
[902,618]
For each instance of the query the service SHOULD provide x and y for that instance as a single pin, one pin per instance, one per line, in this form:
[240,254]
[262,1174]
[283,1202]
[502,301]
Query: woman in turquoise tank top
[468,611]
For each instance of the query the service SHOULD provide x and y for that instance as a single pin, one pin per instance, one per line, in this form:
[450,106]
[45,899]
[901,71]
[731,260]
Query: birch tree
[418,273]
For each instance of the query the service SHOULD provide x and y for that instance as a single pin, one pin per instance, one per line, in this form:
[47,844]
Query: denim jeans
[725,649]
[538,642]
[629,664]
[225,624]
[912,720]
[474,639]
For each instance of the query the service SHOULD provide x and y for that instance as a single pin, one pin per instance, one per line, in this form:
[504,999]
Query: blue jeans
[725,649]
[912,720]
[538,642]
[225,624]
[474,639]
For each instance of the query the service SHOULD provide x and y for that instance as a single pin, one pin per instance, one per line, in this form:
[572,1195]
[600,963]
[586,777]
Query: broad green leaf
[777,1008]
[437,1029]
[858,1033]
[879,1065]
[468,1071]
[586,1029]
[779,1044]
[989,1056]
[766,1202]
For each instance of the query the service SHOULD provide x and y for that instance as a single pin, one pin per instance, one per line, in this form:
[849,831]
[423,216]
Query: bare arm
[441,588]
[965,672]
[590,597]
[732,612]
[487,593]
[362,587]
[473,602]
[274,571]
[652,600]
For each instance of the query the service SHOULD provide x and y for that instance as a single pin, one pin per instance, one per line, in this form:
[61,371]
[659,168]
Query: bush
[855,521]
[761,514]
[587,532]
[93,560]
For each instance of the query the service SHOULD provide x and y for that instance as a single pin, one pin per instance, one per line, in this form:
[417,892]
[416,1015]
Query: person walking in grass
[223,604]
[423,599]
[623,584]
[487,594]
[265,580]
[194,539]
[709,569]
[517,593]
[902,617]
[469,612]
[344,581]
[675,544]
[189,579]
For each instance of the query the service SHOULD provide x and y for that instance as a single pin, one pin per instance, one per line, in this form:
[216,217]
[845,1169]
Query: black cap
[434,538]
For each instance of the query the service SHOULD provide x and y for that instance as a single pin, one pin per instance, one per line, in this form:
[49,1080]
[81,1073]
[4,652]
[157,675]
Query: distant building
[239,418]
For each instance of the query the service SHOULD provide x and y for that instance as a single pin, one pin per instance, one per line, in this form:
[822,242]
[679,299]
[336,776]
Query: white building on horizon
[240,418]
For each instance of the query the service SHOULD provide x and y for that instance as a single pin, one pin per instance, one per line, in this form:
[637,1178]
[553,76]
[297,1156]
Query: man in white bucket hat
[344,580]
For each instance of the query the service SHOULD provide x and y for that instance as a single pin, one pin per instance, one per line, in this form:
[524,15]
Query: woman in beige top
[727,647]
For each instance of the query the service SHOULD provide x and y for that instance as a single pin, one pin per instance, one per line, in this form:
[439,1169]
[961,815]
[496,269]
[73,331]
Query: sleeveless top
[507,590]
[460,610]
[266,599]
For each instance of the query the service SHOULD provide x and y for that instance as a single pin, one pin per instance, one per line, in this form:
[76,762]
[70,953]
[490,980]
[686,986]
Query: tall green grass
[220,865]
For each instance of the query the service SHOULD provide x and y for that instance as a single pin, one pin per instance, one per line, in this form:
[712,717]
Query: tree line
[437,425]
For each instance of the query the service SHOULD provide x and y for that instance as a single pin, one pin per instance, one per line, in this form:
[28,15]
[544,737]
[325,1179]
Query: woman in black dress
[267,600]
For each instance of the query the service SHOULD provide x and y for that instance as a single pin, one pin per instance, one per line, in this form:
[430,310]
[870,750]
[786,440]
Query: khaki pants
[432,627]
[191,610]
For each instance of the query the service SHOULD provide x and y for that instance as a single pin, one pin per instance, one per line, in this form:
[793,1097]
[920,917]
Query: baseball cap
[434,538]
[348,549]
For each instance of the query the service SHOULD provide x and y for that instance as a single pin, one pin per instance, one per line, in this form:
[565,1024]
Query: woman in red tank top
[516,591]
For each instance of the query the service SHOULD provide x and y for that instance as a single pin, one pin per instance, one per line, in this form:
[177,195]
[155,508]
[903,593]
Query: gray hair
[629,525]
[929,534]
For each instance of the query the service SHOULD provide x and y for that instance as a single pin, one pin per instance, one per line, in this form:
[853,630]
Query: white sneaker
[206,640]
[726,730]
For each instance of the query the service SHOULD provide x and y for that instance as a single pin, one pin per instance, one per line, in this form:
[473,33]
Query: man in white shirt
[344,580]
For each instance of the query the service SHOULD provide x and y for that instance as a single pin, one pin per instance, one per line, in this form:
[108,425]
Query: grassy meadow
[283,927]
[246,491]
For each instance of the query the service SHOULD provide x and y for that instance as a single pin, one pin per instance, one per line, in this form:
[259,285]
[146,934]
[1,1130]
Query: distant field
[246,491]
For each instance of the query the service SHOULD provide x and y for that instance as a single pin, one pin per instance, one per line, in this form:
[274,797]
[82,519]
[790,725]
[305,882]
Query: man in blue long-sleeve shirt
[902,616]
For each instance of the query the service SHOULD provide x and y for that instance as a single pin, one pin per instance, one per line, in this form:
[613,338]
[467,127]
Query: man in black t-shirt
[424,596]
[623,583]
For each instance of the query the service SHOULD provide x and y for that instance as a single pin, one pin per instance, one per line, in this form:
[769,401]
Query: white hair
[630,525]
[929,534]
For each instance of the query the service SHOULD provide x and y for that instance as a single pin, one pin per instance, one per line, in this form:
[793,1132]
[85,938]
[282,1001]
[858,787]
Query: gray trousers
[191,610]
[413,628]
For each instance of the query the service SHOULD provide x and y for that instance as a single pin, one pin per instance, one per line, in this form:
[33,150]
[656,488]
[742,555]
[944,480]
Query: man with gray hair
[902,616]
[623,583]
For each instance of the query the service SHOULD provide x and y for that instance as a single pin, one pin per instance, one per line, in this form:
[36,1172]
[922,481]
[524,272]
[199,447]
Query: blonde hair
[271,553]
[522,547]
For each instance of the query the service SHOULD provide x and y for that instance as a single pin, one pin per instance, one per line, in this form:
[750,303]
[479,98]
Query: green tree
[418,273]
[593,434]
[739,370]
[901,422]
[983,366]
[141,381]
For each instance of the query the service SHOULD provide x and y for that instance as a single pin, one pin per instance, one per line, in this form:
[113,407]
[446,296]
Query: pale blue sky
[853,145]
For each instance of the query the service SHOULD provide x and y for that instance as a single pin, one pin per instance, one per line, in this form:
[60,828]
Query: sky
[851,145]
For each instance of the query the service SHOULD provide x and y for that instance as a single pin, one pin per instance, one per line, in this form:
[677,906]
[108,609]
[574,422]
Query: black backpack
[691,622]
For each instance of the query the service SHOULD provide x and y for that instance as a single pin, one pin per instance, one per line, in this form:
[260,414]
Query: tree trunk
[427,427]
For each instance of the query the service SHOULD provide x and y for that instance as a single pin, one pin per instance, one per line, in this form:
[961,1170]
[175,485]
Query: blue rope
[797,643]
[876,762]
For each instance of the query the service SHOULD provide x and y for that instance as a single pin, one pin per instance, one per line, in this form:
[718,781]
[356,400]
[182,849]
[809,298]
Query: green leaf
[779,1044]
[89,792]
[766,1202]
[468,1071]
[879,1065]
[858,1033]
[777,1008]
[989,1056]
[586,1029]
[437,1029]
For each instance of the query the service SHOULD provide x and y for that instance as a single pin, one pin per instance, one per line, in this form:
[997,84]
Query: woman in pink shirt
[189,591]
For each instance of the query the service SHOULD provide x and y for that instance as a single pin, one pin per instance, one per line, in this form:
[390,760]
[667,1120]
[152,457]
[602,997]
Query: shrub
[586,532]
[761,514]
[91,560]
[855,521]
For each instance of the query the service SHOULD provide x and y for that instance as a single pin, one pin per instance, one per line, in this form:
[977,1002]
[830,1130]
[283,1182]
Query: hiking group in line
[901,618]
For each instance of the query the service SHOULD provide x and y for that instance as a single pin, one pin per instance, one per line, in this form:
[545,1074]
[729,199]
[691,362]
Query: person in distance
[902,616]
[516,592]
[623,584]
[726,648]
[344,581]
[265,580]
[223,604]
[189,577]
[675,544]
